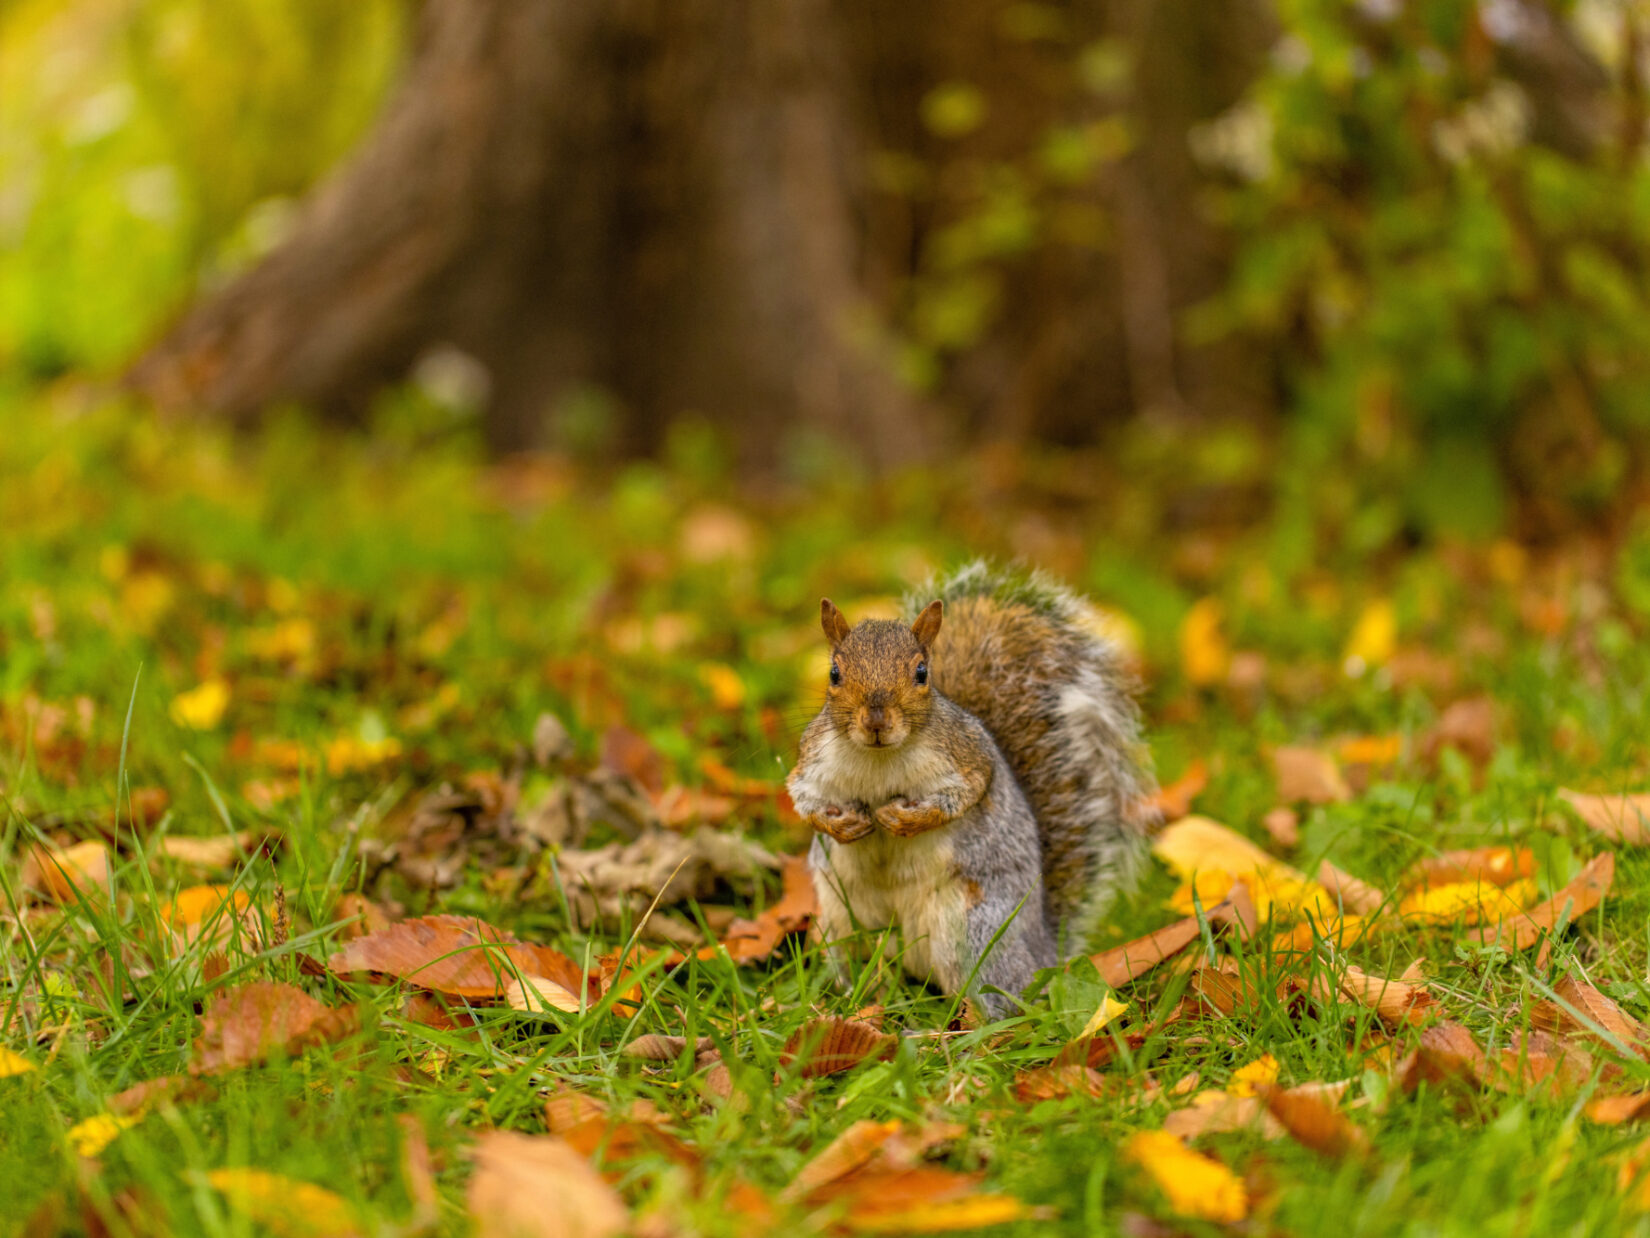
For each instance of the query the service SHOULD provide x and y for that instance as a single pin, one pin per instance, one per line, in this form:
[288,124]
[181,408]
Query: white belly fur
[906,882]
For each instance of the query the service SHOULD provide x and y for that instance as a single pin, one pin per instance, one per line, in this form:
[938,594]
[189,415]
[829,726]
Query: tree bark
[668,200]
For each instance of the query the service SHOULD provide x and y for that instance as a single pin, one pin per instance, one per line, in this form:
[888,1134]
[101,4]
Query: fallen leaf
[537,1186]
[1309,775]
[1468,726]
[1213,856]
[167,1089]
[251,1022]
[1249,1078]
[1110,1008]
[1467,903]
[625,752]
[1213,1112]
[829,1045]
[536,995]
[652,1047]
[1395,1002]
[1447,1053]
[921,1199]
[357,916]
[66,876]
[1310,1117]
[205,912]
[1283,825]
[1595,1009]
[1057,1081]
[1620,818]
[1372,750]
[1354,895]
[13,1063]
[1121,964]
[1174,800]
[750,941]
[1196,1185]
[202,707]
[90,1137]
[1374,638]
[1499,866]
[1614,1110]
[1575,900]
[679,807]
[221,851]
[457,955]
[852,1149]
[1204,652]
[286,1207]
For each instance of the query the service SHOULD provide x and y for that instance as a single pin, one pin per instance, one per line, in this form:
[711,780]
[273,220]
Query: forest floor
[263,702]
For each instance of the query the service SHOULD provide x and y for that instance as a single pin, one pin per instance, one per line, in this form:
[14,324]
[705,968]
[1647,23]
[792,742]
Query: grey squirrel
[976,778]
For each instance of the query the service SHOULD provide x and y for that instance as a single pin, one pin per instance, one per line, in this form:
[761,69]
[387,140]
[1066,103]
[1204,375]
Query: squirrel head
[878,695]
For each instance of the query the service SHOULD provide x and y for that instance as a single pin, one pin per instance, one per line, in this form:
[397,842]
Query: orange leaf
[1310,1117]
[1596,1008]
[537,1186]
[1354,895]
[286,1207]
[1614,1110]
[80,871]
[750,941]
[1121,964]
[1575,900]
[1174,800]
[1394,1001]
[853,1149]
[247,1024]
[1499,866]
[460,956]
[1310,775]
[922,1199]
[830,1045]
[1620,818]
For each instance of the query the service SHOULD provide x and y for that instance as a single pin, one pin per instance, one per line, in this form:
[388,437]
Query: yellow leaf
[1370,750]
[1204,653]
[1263,1069]
[13,1063]
[1373,639]
[1210,856]
[1196,1185]
[1110,1008]
[285,1206]
[97,1132]
[970,1212]
[202,707]
[198,903]
[349,754]
[1469,902]
[289,640]
[726,688]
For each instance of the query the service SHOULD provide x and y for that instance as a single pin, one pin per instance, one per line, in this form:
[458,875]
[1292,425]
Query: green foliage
[146,147]
[1461,311]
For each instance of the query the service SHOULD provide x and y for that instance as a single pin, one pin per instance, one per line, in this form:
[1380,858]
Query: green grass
[449,605]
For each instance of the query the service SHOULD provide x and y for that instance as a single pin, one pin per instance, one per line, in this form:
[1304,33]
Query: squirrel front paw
[846,824]
[904,817]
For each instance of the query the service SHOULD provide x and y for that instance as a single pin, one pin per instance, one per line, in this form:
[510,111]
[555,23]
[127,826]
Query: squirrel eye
[922,672]
[836,673]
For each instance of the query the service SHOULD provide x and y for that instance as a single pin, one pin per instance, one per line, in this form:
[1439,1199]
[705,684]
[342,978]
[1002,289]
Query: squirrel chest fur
[985,837]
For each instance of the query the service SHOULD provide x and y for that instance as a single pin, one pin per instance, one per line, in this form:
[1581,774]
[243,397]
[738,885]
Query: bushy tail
[1020,653]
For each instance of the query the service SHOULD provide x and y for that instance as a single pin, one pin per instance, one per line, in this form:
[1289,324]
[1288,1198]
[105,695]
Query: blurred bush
[146,146]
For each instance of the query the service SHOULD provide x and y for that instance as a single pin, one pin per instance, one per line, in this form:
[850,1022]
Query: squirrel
[975,777]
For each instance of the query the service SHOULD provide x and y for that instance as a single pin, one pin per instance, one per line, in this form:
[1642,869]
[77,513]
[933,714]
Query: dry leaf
[247,1024]
[1597,1008]
[1354,895]
[750,941]
[1204,652]
[89,1137]
[829,1045]
[625,752]
[1284,827]
[66,876]
[1057,1081]
[220,851]
[1575,900]
[565,1111]
[167,1089]
[1309,775]
[1447,1053]
[1174,800]
[13,1063]
[1395,1002]
[1196,1185]
[1621,818]
[209,912]
[1212,856]
[1499,866]
[1614,1110]
[652,1047]
[921,1199]
[1110,1008]
[1467,726]
[1213,1111]
[537,1186]
[285,1206]
[1312,1119]
[679,807]
[1121,964]
[460,956]
[851,1150]
[536,995]
[1248,1079]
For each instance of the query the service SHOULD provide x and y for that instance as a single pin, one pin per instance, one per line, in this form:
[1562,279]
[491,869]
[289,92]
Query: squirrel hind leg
[1007,958]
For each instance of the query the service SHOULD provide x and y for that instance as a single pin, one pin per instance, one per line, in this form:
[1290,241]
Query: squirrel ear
[927,626]
[830,618]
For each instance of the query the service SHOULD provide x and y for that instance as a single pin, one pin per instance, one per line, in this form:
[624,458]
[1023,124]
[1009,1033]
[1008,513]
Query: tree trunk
[668,201]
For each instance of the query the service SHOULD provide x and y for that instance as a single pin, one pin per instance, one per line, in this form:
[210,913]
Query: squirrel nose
[875,718]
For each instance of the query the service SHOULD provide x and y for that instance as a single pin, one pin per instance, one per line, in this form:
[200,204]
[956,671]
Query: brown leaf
[1059,1080]
[1614,1110]
[1575,900]
[1354,895]
[219,851]
[251,1022]
[1121,964]
[1499,866]
[750,941]
[167,1089]
[1467,726]
[565,1111]
[1447,1054]
[1174,800]
[922,1199]
[1310,775]
[359,916]
[852,1149]
[1621,818]
[679,807]
[1395,1001]
[1284,827]
[1536,1059]
[626,752]
[66,876]
[829,1045]
[458,955]
[1596,1007]
[1215,1112]
[1311,1118]
[652,1047]
[537,1186]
